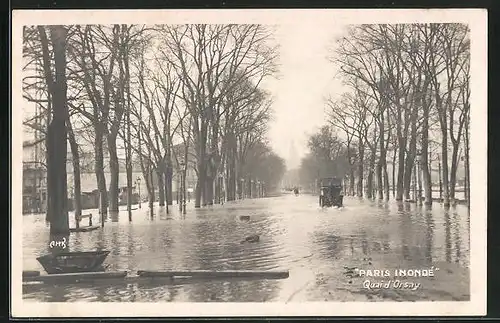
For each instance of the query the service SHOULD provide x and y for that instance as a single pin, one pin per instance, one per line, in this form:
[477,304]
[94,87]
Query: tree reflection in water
[406,228]
[447,230]
[429,234]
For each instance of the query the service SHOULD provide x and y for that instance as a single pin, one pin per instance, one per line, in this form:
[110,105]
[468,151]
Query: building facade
[34,179]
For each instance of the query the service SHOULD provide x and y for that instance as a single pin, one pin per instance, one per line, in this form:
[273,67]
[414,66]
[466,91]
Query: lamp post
[419,177]
[183,188]
[138,181]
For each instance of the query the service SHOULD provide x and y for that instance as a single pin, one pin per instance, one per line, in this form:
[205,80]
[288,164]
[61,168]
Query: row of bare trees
[169,98]
[406,104]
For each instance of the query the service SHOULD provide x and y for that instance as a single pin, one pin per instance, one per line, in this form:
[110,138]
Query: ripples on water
[295,234]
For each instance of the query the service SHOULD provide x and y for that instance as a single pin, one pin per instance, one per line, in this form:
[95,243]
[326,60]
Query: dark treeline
[170,97]
[404,85]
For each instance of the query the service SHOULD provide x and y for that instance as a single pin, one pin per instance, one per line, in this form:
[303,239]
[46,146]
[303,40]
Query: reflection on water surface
[315,245]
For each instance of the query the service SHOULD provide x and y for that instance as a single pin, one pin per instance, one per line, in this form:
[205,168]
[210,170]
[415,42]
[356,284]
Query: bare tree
[452,47]
[35,90]
[211,60]
[347,122]
[401,70]
[57,135]
[97,73]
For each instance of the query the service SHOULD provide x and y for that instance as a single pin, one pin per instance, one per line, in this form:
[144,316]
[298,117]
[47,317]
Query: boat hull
[74,262]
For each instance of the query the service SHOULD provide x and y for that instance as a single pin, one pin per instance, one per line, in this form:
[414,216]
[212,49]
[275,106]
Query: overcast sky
[307,77]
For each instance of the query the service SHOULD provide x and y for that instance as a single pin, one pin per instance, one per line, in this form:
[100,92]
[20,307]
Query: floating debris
[251,239]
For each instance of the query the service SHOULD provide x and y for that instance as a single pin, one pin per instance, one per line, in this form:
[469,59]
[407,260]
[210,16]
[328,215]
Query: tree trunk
[198,191]
[386,181]
[401,169]
[161,187]
[49,81]
[229,192]
[149,185]
[369,183]
[217,191]
[380,181]
[230,176]
[179,181]
[209,191]
[382,158]
[361,153]
[206,188]
[128,161]
[440,174]
[168,183]
[58,194]
[114,170]
[207,182]
[410,162]
[239,182]
[167,189]
[395,152]
[426,174]
[250,192]
[76,169]
[48,184]
[410,158]
[202,168]
[467,164]
[152,194]
[351,180]
[128,168]
[56,171]
[444,154]
[234,171]
[453,170]
[128,141]
[184,189]
[99,170]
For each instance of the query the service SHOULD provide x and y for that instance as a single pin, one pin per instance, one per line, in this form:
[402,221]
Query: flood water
[317,246]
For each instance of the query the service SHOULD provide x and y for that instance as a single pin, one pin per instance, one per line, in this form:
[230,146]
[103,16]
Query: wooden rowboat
[73,262]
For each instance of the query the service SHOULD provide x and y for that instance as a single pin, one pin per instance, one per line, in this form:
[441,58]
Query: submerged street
[317,246]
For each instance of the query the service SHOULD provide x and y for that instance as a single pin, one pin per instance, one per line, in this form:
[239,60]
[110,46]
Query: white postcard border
[477,20]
